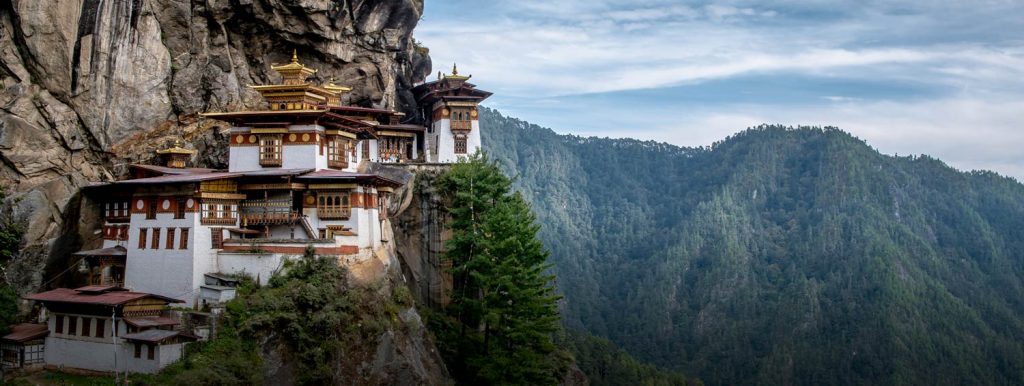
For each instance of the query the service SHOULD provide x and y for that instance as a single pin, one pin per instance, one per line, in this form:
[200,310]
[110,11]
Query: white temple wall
[301,157]
[244,158]
[161,271]
[259,266]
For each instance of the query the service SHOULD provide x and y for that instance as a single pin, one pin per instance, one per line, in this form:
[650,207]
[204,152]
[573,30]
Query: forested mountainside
[779,255]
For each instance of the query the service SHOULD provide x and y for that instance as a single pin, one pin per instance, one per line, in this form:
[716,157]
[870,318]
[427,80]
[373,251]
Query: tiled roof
[179,178]
[152,335]
[25,332]
[116,250]
[96,295]
[152,321]
[169,170]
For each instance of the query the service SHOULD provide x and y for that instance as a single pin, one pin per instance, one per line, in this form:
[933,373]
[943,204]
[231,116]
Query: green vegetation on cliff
[10,239]
[498,328]
[311,324]
[779,255]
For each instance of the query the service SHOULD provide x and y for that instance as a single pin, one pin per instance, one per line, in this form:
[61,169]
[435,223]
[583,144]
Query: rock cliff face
[89,86]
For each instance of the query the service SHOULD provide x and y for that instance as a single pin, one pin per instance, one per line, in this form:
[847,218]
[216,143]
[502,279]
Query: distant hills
[779,255]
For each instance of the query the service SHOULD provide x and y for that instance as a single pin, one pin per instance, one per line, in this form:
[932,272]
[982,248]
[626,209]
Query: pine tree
[502,300]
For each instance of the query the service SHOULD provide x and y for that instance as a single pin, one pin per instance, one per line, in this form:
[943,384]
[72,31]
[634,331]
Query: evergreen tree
[503,310]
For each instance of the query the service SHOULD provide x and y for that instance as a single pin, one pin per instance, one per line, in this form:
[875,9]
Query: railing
[334,213]
[268,212]
[462,125]
[270,161]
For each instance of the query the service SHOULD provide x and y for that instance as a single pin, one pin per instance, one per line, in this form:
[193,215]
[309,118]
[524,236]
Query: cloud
[942,78]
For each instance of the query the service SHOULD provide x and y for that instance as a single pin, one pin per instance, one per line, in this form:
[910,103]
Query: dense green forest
[779,255]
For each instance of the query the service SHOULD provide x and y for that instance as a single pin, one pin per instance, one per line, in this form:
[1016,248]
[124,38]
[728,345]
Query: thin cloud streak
[939,78]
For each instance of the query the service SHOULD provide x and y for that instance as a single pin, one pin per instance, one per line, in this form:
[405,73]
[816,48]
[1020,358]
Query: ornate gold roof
[455,74]
[294,72]
[176,149]
[330,86]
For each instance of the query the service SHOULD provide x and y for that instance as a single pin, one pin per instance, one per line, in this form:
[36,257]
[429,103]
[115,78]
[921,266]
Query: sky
[942,78]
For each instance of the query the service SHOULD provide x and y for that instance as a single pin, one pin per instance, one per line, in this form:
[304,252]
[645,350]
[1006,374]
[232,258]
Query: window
[72,325]
[138,350]
[460,144]
[183,240]
[151,208]
[366,149]
[59,323]
[170,238]
[116,211]
[100,323]
[333,205]
[219,212]
[86,326]
[337,151]
[270,150]
[461,120]
[217,238]
[156,239]
[142,238]
[149,351]
[179,210]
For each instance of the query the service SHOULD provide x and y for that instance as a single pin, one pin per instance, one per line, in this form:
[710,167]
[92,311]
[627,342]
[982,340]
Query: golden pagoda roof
[176,149]
[330,86]
[455,74]
[293,66]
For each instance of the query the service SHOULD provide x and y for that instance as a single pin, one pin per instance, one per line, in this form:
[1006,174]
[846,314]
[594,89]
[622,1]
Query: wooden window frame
[183,239]
[86,326]
[58,323]
[142,237]
[217,238]
[151,208]
[72,325]
[170,239]
[334,205]
[271,151]
[150,351]
[337,152]
[179,209]
[461,146]
[155,242]
[218,212]
[138,350]
[100,330]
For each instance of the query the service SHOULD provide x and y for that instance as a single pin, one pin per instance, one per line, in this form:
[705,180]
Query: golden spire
[293,73]
[176,149]
[330,86]
[455,74]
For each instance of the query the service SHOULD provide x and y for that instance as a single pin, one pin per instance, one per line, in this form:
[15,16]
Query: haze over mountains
[779,255]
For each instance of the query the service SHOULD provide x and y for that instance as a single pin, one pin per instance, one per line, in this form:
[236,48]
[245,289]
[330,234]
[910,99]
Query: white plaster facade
[444,141]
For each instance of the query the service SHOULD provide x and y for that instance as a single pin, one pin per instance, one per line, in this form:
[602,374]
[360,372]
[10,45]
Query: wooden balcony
[334,213]
[267,212]
[462,125]
[271,162]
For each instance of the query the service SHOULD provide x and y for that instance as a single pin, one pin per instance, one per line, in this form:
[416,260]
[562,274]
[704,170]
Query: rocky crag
[88,87]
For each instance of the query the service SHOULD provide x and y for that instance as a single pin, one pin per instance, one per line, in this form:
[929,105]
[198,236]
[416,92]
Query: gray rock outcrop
[88,87]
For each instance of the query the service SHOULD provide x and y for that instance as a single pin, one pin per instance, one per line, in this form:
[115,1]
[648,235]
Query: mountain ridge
[802,252]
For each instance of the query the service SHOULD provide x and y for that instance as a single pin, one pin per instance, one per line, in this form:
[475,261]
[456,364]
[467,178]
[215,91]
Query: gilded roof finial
[455,69]
[295,56]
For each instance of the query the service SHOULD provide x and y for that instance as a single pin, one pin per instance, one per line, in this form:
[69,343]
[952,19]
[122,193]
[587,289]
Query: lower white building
[110,329]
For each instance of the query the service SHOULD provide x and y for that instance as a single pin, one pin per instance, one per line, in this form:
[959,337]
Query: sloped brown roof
[151,336]
[116,250]
[25,332]
[152,321]
[95,295]
[178,178]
